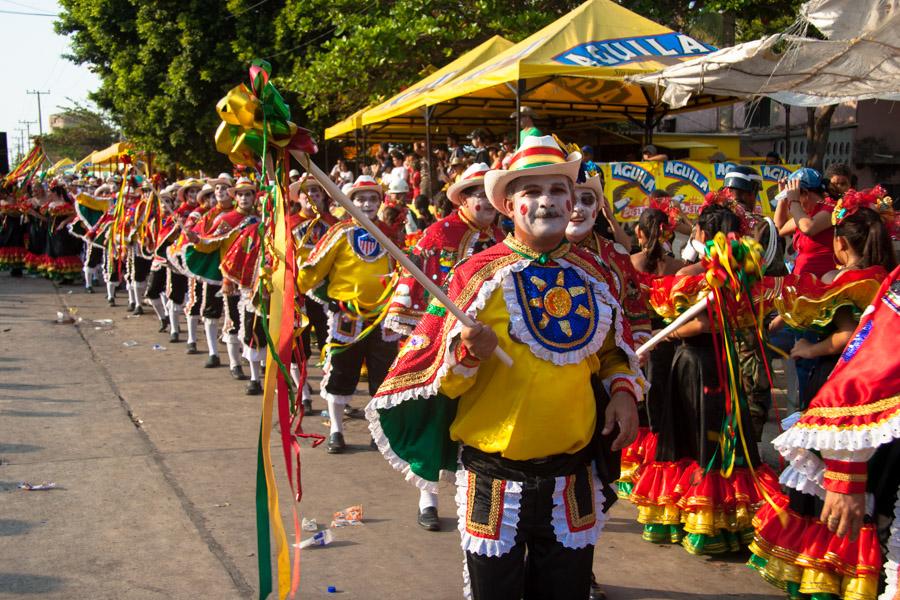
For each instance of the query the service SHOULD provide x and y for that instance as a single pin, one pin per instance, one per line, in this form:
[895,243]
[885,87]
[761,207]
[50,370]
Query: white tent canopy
[859,61]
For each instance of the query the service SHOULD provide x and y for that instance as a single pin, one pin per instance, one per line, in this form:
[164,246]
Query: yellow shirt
[349,276]
[534,410]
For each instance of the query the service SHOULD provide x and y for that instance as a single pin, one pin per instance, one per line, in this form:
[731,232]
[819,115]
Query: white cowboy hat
[206,190]
[222,178]
[471,177]
[538,155]
[363,183]
[243,183]
[186,185]
[592,183]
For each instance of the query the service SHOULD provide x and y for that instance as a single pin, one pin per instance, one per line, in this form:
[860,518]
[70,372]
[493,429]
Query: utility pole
[27,125]
[38,94]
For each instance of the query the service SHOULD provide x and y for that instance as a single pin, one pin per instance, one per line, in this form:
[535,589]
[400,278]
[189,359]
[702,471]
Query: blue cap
[587,150]
[809,178]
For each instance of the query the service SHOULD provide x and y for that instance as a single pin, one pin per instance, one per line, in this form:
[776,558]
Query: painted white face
[478,207]
[316,196]
[540,207]
[368,201]
[245,199]
[222,195]
[191,195]
[584,214]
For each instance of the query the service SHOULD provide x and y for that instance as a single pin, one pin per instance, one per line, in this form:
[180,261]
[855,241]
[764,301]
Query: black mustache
[546,213]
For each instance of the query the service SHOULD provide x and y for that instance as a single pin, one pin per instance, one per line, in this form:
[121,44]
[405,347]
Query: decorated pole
[671,327]
[338,196]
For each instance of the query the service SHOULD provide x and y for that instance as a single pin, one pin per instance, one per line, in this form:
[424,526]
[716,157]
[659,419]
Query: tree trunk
[817,129]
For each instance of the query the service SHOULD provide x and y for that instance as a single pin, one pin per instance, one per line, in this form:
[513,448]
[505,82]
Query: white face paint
[368,201]
[477,206]
[191,195]
[245,199]
[584,214]
[316,196]
[540,206]
[222,195]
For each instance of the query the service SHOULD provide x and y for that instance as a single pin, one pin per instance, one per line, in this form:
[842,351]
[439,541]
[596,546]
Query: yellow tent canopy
[110,153]
[60,165]
[573,71]
[401,114]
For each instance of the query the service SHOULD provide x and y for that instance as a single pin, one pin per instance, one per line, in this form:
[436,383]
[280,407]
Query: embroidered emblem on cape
[857,342]
[557,306]
[365,246]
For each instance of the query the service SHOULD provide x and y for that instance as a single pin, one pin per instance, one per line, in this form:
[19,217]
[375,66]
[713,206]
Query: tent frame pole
[520,91]
[787,133]
[428,153]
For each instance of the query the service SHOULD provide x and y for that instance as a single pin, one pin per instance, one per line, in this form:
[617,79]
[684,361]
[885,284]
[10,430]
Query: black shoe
[212,362]
[15,273]
[428,519]
[597,592]
[173,338]
[254,388]
[238,373]
[163,324]
[336,443]
[353,413]
[111,301]
[131,307]
[191,348]
[307,406]
[139,310]
[88,290]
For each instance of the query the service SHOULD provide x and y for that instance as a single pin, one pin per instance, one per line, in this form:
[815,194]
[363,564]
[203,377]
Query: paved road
[154,458]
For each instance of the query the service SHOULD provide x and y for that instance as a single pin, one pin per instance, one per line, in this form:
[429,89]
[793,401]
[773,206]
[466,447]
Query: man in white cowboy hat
[188,209]
[243,323]
[139,257]
[469,229]
[208,303]
[193,302]
[351,271]
[294,175]
[309,224]
[528,437]
[156,284]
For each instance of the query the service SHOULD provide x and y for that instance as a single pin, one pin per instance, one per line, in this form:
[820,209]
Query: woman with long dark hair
[63,248]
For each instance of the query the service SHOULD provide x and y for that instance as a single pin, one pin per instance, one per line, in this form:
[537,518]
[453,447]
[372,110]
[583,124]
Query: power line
[249,8]
[34,8]
[40,119]
[30,14]
[328,31]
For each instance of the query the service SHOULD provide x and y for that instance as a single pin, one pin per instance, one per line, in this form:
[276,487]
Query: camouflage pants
[754,379]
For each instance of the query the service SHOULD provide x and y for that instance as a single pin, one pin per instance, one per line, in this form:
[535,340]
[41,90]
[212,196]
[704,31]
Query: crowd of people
[523,240]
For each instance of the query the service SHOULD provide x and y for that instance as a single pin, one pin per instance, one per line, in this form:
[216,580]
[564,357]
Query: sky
[33,61]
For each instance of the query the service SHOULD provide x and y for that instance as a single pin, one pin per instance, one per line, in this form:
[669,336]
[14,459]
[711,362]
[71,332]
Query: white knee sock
[110,290]
[140,288]
[336,412]
[158,308]
[87,277]
[427,499]
[174,311]
[211,329]
[234,354]
[129,288]
[255,370]
[192,323]
[295,374]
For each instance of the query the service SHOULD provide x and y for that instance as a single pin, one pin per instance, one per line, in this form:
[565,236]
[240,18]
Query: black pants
[213,304]
[157,284]
[318,321]
[195,288]
[234,314]
[177,286]
[538,567]
[140,269]
[347,364]
[254,331]
[93,256]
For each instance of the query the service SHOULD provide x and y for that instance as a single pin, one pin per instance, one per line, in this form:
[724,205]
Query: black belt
[498,467]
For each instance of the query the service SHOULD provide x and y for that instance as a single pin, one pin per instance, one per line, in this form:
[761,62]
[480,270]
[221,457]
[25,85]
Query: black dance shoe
[428,519]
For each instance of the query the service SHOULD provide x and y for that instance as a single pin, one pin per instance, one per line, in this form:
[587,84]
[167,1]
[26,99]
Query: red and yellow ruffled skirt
[12,257]
[634,457]
[703,511]
[799,555]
